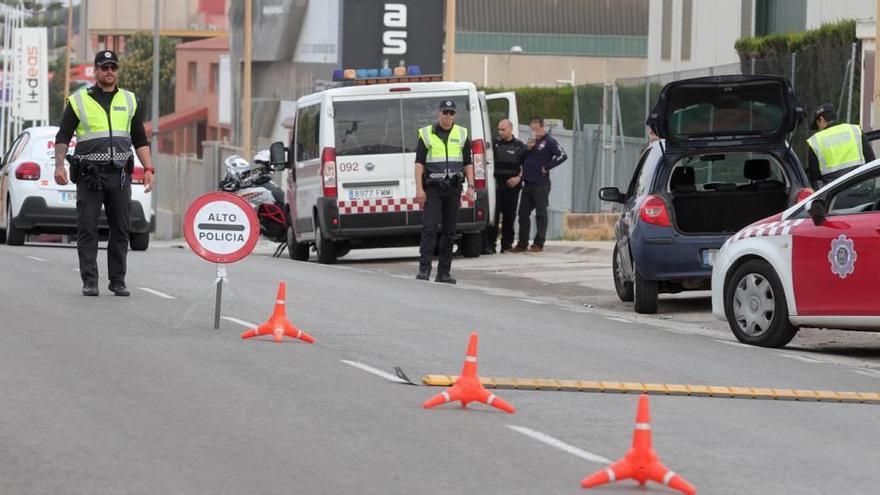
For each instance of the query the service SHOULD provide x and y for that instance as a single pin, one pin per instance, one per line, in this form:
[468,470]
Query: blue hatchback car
[721,164]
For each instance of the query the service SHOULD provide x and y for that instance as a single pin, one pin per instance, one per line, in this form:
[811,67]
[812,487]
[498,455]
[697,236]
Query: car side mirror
[277,157]
[817,211]
[612,194]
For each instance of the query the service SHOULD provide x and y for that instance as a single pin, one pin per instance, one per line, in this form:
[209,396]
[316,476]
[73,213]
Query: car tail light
[328,172]
[654,211]
[27,171]
[804,194]
[137,175]
[479,152]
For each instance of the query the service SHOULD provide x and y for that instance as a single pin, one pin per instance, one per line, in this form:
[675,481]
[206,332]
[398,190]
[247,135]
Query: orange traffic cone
[641,462]
[278,325]
[467,387]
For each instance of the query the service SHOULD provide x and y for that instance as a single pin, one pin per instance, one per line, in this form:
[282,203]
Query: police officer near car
[508,152]
[108,123]
[443,164]
[836,148]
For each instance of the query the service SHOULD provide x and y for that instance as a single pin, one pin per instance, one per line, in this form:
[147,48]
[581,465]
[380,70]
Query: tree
[136,72]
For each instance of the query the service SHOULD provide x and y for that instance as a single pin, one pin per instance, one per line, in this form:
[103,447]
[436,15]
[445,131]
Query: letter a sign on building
[221,227]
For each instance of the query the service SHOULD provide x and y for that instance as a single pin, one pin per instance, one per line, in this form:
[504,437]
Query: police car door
[835,264]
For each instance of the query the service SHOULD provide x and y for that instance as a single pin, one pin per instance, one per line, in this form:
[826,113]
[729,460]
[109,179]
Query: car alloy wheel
[754,304]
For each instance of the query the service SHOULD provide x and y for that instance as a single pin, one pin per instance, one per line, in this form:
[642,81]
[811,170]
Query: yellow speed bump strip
[664,389]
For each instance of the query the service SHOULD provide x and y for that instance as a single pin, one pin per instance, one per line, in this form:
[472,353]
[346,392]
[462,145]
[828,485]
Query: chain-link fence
[613,132]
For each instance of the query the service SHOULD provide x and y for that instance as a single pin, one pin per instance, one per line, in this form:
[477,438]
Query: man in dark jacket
[542,155]
[508,152]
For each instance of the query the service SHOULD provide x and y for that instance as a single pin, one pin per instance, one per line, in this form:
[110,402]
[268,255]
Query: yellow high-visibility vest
[444,160]
[101,139]
[838,147]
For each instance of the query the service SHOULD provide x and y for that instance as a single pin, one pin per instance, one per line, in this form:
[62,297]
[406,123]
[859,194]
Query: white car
[31,202]
[813,265]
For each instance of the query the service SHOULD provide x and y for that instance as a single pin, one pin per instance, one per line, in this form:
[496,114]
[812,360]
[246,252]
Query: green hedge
[841,33]
[549,103]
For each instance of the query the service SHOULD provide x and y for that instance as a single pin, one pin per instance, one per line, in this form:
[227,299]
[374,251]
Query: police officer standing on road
[836,148]
[108,122]
[443,162]
[508,152]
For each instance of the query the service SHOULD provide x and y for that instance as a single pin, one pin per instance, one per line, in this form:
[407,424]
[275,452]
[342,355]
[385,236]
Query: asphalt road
[142,395]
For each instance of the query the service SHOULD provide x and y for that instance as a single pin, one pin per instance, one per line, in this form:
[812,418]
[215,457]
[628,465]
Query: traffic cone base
[641,462]
[467,388]
[278,325]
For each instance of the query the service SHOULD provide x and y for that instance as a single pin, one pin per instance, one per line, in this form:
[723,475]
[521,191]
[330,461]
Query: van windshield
[422,111]
[370,127]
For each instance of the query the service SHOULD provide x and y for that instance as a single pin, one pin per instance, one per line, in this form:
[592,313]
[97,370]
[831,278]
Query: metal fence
[607,146]
[182,179]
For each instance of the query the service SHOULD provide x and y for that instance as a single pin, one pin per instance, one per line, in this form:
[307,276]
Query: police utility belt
[444,180]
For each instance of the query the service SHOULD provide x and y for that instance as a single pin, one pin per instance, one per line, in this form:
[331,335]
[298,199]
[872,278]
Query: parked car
[350,181]
[31,202]
[814,265]
[721,164]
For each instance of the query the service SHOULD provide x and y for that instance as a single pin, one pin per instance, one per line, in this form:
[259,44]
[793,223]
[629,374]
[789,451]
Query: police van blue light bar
[412,73]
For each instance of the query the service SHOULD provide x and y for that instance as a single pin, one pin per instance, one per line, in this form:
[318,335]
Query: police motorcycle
[254,184]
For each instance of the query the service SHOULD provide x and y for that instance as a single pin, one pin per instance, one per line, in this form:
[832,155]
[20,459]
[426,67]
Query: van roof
[382,89]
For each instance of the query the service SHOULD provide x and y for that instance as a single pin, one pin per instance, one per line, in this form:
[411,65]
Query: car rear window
[369,127]
[727,171]
[748,108]
[421,111]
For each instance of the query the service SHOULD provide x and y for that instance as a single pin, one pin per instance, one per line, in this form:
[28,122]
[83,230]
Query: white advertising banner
[32,75]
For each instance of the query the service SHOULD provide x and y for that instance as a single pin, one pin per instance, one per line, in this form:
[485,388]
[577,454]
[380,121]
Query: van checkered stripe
[387,205]
[767,229]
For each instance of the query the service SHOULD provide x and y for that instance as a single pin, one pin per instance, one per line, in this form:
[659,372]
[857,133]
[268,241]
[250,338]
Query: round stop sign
[221,227]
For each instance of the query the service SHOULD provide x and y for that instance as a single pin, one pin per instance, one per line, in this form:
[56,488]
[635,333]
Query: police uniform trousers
[506,202]
[440,215]
[117,207]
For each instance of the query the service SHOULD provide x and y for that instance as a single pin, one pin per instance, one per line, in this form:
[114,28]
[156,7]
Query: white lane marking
[804,359]
[370,369]
[623,320]
[737,344]
[532,301]
[157,293]
[35,258]
[240,322]
[559,444]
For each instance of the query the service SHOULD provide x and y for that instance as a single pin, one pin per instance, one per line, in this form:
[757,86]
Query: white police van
[351,161]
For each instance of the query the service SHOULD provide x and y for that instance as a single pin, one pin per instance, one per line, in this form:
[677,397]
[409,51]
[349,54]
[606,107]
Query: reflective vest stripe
[102,134]
[130,103]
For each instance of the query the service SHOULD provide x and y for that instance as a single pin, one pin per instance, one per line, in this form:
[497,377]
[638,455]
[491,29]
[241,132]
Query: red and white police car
[813,265]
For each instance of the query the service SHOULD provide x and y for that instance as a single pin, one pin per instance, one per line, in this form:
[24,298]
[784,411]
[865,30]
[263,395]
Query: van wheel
[756,308]
[645,295]
[298,251]
[14,235]
[139,241]
[326,248]
[471,245]
[623,286]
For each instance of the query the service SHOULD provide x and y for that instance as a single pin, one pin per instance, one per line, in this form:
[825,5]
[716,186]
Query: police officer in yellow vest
[108,124]
[836,148]
[443,163]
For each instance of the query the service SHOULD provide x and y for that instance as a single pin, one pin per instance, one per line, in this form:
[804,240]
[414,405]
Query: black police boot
[119,289]
[444,278]
[424,273]
[90,290]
